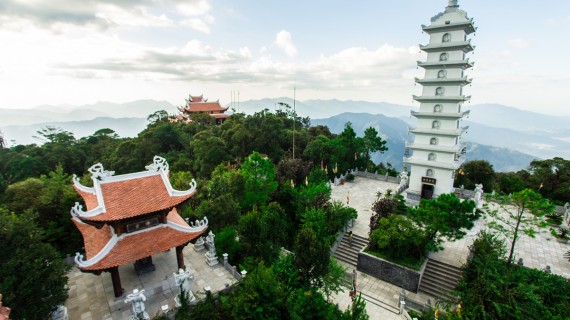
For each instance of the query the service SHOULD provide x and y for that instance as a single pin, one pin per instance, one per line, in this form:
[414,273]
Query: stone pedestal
[211,260]
[199,245]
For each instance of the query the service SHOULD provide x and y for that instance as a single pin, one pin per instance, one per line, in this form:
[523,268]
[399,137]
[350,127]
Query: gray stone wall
[395,274]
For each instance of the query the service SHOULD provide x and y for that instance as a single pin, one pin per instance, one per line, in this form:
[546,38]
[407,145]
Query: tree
[312,256]
[209,151]
[398,237]
[33,277]
[259,175]
[510,182]
[373,142]
[491,291]
[446,217]
[554,177]
[521,211]
[475,172]
[157,116]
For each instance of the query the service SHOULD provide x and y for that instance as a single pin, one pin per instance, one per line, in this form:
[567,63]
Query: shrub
[397,237]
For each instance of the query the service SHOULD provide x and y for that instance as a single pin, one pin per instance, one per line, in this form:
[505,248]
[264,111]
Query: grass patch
[408,262]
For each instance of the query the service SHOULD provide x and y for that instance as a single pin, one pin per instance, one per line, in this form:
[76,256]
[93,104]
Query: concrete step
[439,279]
[350,259]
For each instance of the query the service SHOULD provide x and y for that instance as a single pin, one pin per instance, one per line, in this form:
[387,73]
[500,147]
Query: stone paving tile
[92,297]
[536,253]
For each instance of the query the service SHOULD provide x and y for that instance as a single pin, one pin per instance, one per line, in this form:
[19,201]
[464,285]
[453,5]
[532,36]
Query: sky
[69,52]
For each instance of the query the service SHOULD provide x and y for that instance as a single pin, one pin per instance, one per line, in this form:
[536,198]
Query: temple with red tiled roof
[129,218]
[197,104]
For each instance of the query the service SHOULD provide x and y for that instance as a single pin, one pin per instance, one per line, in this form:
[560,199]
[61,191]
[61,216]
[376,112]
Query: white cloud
[284,41]
[196,24]
[519,43]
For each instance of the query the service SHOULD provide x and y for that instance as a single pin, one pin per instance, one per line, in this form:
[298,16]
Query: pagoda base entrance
[144,265]
[427,191]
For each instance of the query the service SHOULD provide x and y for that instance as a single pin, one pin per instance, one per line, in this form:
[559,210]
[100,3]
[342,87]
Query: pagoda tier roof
[436,147]
[434,164]
[120,197]
[449,115]
[444,81]
[105,249]
[464,46]
[441,99]
[439,132]
[462,64]
[203,107]
[466,25]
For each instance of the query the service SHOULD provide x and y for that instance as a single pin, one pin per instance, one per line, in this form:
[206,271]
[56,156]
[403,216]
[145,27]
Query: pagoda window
[433,141]
[439,91]
[442,74]
[431,157]
[436,124]
[437,108]
[429,173]
[446,37]
[443,56]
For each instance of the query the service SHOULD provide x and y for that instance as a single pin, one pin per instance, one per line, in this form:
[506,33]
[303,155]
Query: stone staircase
[439,279]
[347,253]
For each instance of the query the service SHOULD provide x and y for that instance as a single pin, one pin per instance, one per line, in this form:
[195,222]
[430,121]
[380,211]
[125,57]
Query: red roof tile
[89,198]
[146,243]
[94,239]
[134,197]
[204,107]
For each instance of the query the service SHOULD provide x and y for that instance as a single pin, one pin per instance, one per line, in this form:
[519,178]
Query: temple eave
[441,165]
[455,115]
[444,81]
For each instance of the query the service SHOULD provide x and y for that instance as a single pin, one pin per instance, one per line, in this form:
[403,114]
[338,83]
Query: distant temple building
[197,104]
[437,151]
[129,218]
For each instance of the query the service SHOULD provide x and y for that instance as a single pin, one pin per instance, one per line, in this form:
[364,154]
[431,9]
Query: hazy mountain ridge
[395,131]
[494,128]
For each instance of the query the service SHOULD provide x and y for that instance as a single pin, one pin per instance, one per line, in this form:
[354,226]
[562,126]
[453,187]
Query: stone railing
[464,193]
[231,269]
[374,175]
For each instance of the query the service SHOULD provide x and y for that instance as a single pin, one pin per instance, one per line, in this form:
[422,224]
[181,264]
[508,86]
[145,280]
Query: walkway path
[361,193]
[91,296]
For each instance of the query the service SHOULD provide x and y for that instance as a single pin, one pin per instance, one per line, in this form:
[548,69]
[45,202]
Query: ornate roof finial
[453,3]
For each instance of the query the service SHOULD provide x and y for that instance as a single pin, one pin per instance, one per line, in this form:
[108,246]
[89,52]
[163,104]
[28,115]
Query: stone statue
[211,243]
[182,279]
[403,179]
[566,221]
[479,195]
[211,256]
[137,300]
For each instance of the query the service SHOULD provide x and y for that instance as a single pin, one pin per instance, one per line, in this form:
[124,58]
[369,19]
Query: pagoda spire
[453,3]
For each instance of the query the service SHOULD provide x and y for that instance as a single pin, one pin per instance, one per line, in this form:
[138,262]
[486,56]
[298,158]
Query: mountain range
[507,137]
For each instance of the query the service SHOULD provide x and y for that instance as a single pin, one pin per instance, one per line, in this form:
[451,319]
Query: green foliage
[226,242]
[554,175]
[509,182]
[490,290]
[209,151]
[398,237]
[312,256]
[259,176]
[519,212]
[475,172]
[259,296]
[257,232]
[385,206]
[50,197]
[446,217]
[373,142]
[222,211]
[226,181]
[31,271]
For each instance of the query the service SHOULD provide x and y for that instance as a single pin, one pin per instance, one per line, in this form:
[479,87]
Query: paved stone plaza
[91,296]
[536,253]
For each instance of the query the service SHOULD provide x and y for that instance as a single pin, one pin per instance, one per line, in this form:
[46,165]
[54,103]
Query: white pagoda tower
[437,148]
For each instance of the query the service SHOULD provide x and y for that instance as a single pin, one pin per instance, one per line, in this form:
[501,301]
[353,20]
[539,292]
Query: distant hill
[124,127]
[494,128]
[395,131]
[48,113]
